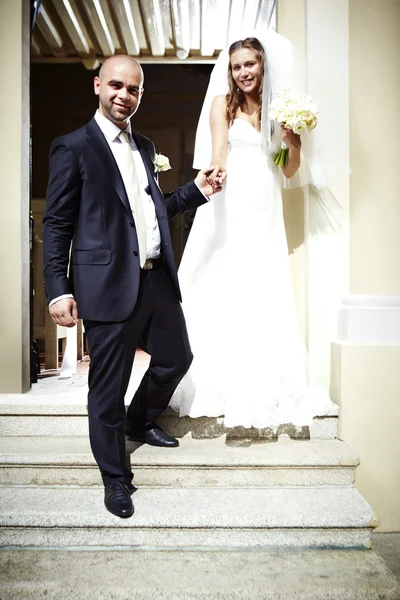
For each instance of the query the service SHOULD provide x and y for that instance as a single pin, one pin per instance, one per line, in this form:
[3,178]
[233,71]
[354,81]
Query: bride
[250,364]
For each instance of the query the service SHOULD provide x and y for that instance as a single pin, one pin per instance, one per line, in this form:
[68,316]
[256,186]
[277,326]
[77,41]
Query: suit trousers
[158,326]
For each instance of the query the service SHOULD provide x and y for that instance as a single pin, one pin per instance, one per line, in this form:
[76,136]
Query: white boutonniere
[161,163]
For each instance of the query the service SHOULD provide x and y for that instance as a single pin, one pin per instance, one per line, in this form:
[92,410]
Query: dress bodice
[242,133]
[246,148]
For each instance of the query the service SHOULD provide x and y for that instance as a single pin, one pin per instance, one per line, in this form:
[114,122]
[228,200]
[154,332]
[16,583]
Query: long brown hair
[235,97]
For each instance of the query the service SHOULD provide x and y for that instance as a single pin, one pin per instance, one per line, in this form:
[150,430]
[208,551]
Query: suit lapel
[145,156]
[156,193]
[99,144]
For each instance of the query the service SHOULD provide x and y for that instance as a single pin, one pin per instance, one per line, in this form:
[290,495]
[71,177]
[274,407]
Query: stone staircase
[221,490]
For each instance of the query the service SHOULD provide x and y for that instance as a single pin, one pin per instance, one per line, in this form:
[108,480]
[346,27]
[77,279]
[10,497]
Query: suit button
[135,253]
[166,244]
[131,223]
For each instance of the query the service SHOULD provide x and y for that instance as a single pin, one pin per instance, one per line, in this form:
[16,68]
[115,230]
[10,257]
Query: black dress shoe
[117,499]
[158,437]
[154,437]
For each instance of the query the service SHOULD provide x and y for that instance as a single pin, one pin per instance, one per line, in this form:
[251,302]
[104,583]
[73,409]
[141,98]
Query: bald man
[107,219]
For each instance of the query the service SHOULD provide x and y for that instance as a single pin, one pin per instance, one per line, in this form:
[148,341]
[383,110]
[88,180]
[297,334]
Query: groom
[103,198]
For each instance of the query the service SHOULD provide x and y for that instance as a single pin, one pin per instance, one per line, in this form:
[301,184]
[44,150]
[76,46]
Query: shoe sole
[133,438]
[162,445]
[127,516]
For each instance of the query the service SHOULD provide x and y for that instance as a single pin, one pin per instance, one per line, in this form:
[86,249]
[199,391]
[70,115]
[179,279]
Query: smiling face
[120,89]
[246,70]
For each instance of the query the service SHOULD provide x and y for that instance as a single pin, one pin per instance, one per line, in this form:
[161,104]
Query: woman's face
[246,70]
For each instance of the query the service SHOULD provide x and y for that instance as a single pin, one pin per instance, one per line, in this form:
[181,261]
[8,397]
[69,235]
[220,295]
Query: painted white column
[319,33]
[291,22]
[327,79]
[14,196]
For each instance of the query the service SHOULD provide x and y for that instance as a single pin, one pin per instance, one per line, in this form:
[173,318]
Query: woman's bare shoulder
[218,107]
[219,101]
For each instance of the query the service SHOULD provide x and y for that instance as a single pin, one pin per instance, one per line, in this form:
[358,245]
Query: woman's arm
[219,132]
[293,142]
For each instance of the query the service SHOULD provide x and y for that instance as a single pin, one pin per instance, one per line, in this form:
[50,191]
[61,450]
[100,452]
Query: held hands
[65,312]
[292,140]
[211,179]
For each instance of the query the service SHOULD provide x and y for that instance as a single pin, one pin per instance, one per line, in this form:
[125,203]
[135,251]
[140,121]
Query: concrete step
[274,575]
[196,463]
[256,518]
[66,415]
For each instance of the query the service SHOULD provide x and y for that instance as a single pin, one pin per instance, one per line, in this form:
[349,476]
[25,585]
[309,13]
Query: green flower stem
[281,157]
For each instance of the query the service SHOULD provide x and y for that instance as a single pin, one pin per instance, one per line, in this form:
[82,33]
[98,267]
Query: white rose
[299,127]
[161,163]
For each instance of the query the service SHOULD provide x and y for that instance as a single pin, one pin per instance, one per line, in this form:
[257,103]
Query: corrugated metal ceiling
[153,30]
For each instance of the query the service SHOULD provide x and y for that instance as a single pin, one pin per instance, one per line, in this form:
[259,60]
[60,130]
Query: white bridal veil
[324,210]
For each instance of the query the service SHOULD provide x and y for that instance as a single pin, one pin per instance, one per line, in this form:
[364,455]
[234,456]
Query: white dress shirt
[111,133]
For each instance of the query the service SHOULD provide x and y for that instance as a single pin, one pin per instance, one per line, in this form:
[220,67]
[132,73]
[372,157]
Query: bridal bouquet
[161,163]
[296,112]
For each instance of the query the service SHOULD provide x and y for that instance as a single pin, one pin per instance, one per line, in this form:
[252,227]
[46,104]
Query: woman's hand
[210,180]
[292,140]
[217,177]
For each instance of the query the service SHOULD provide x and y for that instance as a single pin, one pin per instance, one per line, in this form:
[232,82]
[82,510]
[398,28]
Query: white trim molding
[369,319]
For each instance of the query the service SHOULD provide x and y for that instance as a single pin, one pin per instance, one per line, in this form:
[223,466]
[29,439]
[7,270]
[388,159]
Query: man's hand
[211,179]
[65,312]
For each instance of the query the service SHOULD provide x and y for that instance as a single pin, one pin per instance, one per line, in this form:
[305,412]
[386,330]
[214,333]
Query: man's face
[119,87]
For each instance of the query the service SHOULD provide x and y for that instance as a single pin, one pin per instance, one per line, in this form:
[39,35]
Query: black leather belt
[152,263]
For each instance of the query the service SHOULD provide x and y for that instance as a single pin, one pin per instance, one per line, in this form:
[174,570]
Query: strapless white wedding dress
[250,363]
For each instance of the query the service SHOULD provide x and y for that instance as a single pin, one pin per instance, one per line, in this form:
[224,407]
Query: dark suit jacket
[87,205]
